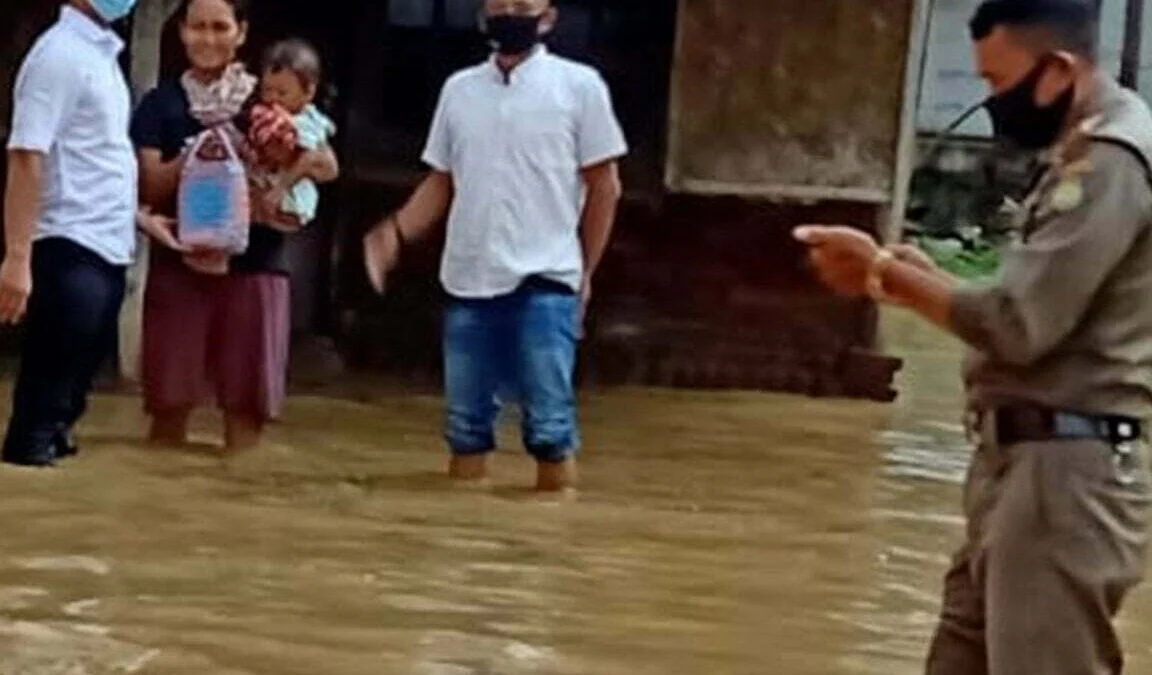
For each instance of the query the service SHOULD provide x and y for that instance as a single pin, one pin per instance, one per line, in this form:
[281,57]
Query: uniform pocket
[1087,489]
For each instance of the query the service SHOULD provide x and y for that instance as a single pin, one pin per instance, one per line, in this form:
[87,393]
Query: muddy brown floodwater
[717,535]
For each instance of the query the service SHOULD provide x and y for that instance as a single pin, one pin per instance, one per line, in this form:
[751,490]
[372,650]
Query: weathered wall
[713,292]
[772,94]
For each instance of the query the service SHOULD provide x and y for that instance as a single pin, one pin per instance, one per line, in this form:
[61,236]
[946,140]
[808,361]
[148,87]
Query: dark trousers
[69,330]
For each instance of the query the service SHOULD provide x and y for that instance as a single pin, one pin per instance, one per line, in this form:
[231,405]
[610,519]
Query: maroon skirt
[207,337]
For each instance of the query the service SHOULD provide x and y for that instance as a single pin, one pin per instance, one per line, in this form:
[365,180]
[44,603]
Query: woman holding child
[214,324]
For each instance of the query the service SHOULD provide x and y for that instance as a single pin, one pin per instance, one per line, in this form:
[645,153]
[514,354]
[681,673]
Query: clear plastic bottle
[213,211]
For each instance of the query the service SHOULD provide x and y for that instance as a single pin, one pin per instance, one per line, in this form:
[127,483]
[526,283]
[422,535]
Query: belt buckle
[1126,432]
[1126,450]
[1124,460]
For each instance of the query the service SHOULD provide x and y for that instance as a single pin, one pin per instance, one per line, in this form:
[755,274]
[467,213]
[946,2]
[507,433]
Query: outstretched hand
[381,253]
[161,229]
[15,288]
[841,256]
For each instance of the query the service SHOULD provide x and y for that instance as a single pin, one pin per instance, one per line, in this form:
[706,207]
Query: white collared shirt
[515,147]
[72,103]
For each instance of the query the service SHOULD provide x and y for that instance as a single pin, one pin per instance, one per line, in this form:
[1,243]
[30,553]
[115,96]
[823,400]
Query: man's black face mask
[514,34]
[1016,116]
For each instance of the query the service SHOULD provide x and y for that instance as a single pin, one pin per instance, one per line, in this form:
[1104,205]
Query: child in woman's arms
[287,118]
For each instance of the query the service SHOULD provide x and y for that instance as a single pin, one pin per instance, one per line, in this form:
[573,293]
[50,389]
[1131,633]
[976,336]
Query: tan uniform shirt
[1069,323]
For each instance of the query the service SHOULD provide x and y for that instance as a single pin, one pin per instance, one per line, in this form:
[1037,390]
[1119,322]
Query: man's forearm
[22,202]
[596,231]
[598,219]
[927,293]
[427,207]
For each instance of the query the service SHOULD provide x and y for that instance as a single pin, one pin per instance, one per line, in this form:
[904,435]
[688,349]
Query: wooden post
[147,33]
[892,218]
[1133,39]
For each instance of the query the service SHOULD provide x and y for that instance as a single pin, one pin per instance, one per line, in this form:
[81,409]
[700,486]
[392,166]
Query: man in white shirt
[69,221]
[524,151]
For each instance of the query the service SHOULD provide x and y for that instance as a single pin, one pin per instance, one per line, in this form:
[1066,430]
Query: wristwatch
[874,285]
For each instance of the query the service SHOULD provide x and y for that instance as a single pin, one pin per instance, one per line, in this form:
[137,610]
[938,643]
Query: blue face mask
[112,10]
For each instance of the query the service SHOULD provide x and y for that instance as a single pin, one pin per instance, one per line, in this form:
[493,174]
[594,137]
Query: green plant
[978,262]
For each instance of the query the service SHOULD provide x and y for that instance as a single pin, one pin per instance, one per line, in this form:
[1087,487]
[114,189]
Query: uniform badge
[1067,195]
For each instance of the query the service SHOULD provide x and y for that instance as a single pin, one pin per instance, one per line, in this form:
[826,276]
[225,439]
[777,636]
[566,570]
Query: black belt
[1036,424]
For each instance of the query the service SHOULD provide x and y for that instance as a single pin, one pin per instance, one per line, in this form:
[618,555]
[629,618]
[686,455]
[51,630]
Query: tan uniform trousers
[1056,538]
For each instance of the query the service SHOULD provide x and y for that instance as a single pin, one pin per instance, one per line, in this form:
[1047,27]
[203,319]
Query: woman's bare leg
[242,432]
[170,428]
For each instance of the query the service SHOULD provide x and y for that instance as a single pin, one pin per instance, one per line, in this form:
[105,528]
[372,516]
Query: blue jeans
[522,344]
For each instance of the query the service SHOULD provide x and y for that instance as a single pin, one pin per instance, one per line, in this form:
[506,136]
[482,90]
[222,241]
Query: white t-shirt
[515,147]
[72,103]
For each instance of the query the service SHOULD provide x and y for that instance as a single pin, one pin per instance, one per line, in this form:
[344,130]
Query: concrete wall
[788,97]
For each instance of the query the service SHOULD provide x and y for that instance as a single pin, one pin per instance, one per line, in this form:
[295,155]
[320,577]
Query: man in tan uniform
[1060,378]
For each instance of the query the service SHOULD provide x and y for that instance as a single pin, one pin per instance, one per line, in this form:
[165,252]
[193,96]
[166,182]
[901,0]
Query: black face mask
[1016,117]
[514,35]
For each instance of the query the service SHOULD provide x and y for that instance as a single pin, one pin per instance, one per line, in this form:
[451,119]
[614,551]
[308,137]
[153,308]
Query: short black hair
[240,8]
[1072,25]
[296,56]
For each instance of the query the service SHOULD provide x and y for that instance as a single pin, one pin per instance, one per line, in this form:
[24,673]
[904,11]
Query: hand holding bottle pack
[213,210]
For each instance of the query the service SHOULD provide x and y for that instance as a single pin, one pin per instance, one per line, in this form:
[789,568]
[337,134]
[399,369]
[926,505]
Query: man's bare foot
[381,251]
[469,468]
[556,476]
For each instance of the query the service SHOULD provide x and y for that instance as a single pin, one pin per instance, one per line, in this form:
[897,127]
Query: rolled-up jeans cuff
[459,445]
[555,454]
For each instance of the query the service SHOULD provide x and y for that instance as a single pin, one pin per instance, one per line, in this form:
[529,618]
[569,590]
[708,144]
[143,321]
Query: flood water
[716,535]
